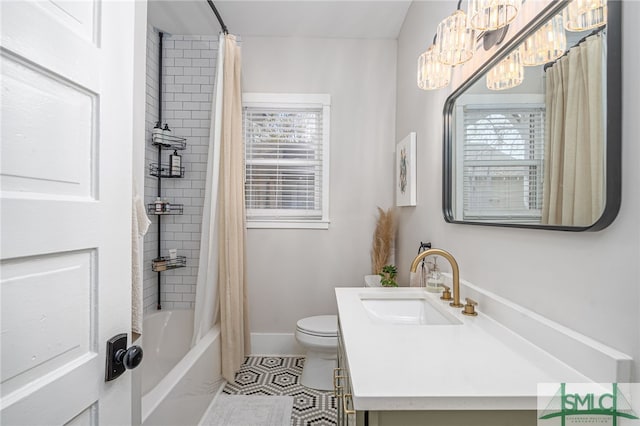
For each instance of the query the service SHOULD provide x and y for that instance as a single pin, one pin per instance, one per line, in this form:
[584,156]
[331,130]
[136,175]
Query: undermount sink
[404,309]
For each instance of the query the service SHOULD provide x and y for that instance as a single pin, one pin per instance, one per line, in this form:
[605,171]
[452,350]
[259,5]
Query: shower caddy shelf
[171,209]
[171,142]
[164,170]
[160,170]
[165,263]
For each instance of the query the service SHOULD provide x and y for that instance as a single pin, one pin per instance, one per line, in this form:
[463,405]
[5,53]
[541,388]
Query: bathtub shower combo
[178,382]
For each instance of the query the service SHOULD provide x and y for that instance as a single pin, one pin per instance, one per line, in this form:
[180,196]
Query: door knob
[119,358]
[130,358]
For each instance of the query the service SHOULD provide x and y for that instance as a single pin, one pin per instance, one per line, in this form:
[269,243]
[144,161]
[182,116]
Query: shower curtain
[220,286]
[206,303]
[573,191]
[234,323]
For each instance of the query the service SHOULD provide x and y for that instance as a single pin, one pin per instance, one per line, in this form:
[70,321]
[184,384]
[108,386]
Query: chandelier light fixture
[432,74]
[546,44]
[582,15]
[508,73]
[490,15]
[455,39]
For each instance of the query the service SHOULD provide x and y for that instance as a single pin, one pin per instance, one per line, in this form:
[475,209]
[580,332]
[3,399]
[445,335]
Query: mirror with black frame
[533,138]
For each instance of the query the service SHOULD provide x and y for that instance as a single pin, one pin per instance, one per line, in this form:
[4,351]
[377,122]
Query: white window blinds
[502,162]
[286,161]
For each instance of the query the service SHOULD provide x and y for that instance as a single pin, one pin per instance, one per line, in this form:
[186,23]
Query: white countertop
[476,365]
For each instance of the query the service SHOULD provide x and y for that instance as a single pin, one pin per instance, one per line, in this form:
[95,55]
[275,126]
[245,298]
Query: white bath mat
[242,410]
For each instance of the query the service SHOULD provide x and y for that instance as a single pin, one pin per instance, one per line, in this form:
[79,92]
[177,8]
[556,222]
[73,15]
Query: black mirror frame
[613,164]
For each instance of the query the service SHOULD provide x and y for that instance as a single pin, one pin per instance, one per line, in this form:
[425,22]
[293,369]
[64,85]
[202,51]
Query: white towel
[139,226]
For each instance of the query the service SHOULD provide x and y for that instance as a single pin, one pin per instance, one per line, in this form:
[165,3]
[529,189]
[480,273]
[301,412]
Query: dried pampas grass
[383,237]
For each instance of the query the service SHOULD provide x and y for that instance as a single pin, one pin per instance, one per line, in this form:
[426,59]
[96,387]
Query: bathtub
[178,382]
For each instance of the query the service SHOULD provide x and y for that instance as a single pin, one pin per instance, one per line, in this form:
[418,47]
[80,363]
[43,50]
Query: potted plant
[388,275]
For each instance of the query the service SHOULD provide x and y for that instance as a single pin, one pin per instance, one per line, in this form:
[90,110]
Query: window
[500,166]
[286,160]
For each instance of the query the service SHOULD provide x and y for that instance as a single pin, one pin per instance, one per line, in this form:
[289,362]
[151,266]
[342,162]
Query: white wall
[587,281]
[292,273]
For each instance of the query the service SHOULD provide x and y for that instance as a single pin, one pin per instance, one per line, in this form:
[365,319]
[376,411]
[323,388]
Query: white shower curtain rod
[213,7]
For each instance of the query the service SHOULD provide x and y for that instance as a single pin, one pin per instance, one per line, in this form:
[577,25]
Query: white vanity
[406,357]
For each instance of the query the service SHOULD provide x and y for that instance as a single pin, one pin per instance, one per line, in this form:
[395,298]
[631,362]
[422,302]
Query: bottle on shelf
[157,131]
[159,206]
[175,164]
[435,278]
[166,206]
[166,130]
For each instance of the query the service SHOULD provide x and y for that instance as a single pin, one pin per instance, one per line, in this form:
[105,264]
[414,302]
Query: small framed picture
[406,171]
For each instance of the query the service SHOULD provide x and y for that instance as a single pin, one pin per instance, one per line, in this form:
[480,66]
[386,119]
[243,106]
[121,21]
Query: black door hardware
[119,358]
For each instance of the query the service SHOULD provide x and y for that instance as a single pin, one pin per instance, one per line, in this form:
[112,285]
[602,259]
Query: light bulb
[455,39]
[546,44]
[506,74]
[432,74]
[489,15]
[582,15]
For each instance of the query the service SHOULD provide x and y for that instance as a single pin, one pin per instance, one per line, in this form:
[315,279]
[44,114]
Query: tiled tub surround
[188,64]
[506,350]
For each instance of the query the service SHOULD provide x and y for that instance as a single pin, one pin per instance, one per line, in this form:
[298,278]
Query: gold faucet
[454,269]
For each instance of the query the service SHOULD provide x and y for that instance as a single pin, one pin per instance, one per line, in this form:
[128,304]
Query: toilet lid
[321,325]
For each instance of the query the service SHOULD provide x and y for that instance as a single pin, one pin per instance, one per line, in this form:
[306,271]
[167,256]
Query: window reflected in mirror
[501,163]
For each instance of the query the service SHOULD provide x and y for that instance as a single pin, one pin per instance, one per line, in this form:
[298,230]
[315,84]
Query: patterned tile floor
[281,376]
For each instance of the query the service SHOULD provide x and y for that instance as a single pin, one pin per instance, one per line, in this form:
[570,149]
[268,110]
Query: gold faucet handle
[446,293]
[470,307]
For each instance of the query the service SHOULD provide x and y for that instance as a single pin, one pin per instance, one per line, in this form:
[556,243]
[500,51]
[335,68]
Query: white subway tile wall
[188,75]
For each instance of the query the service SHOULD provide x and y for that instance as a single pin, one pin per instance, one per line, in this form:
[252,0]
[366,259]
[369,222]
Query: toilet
[319,336]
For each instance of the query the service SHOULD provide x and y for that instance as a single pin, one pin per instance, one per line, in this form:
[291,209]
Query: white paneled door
[65,182]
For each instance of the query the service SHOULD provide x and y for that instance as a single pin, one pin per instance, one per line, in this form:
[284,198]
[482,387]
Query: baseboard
[275,344]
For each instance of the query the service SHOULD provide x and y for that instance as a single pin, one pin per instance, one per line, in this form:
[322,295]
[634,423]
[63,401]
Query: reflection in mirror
[526,142]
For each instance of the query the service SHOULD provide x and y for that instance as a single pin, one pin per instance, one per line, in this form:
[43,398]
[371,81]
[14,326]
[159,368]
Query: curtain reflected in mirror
[573,191]
[538,152]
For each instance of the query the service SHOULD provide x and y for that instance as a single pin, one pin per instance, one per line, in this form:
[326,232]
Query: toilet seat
[319,326]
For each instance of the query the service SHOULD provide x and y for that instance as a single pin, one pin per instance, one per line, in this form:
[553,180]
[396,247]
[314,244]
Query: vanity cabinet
[349,415]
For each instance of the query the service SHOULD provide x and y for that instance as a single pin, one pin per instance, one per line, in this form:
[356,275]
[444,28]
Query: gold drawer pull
[336,382]
[345,397]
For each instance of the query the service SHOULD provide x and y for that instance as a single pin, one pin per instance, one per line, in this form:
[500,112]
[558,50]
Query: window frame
[484,101]
[296,101]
